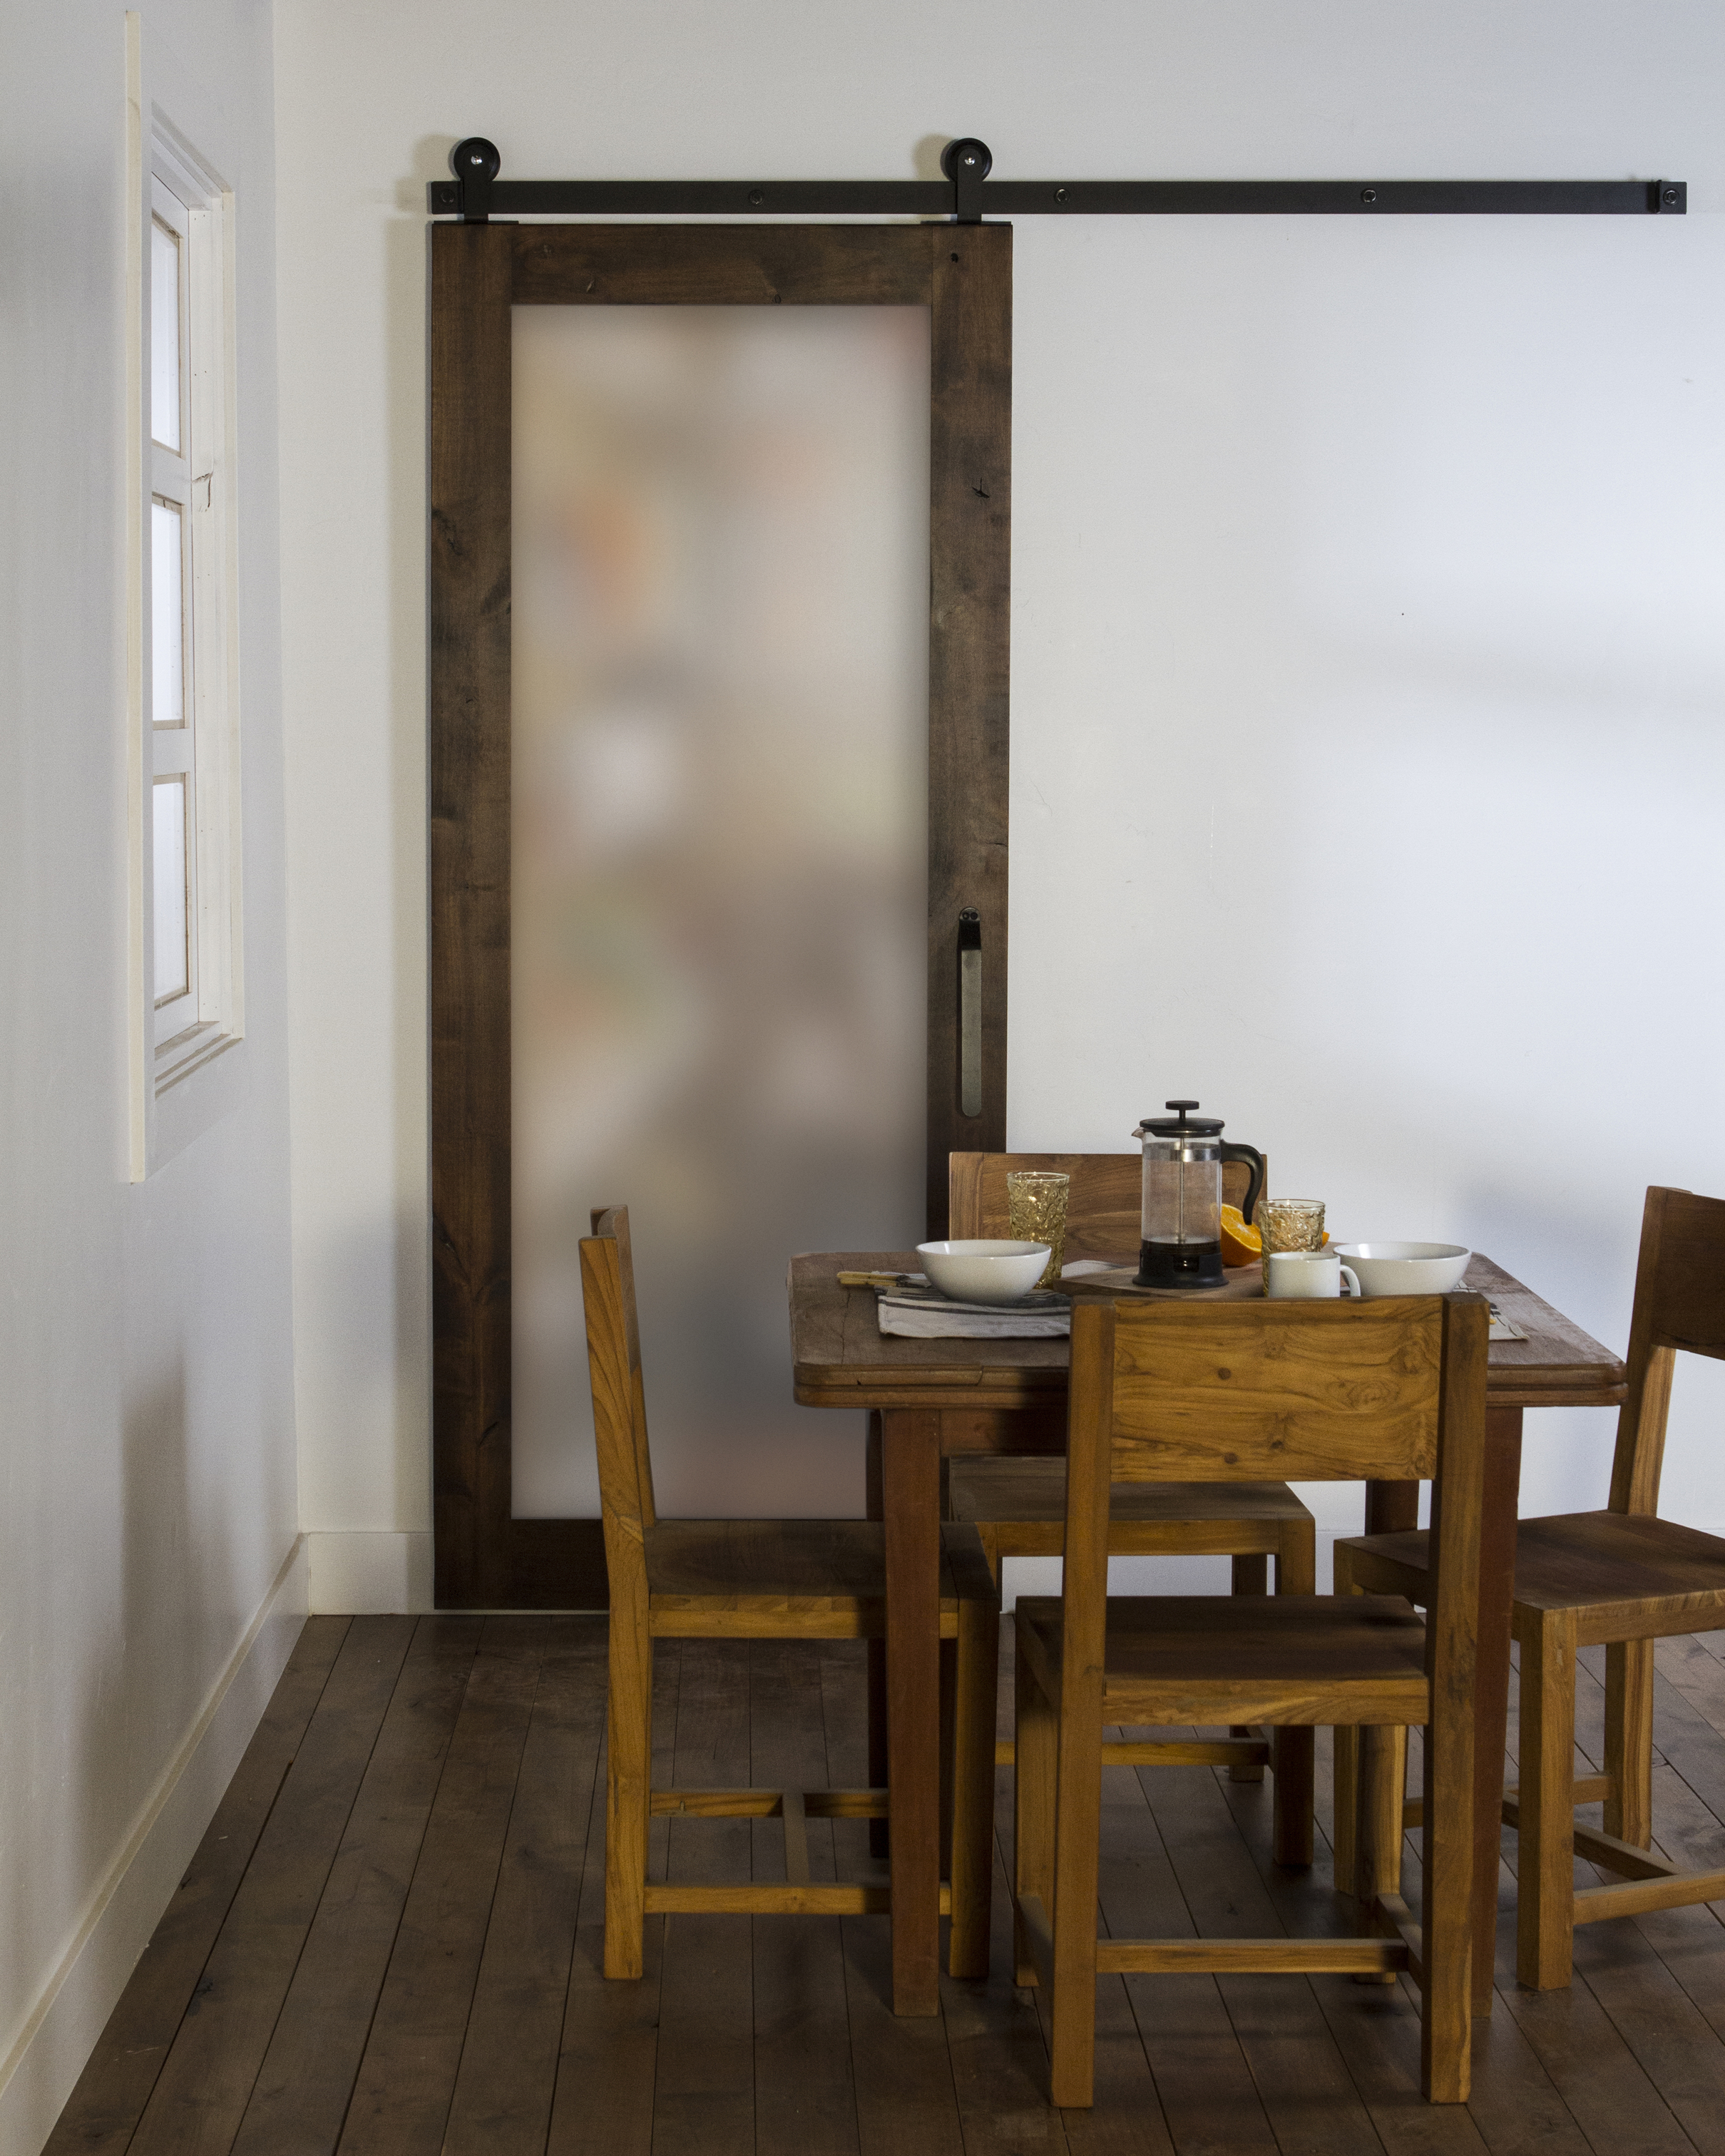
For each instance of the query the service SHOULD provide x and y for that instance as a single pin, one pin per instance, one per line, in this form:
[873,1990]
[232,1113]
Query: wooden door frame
[485,1558]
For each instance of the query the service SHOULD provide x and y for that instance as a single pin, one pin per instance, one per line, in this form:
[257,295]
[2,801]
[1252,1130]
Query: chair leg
[1038,1739]
[1447,1868]
[1250,1576]
[1294,1746]
[1380,1763]
[1292,1753]
[949,1709]
[1545,1897]
[974,1786]
[1297,1559]
[1628,1741]
[875,1508]
[1072,2008]
[1345,1839]
[628,1785]
[1345,1834]
[1382,1781]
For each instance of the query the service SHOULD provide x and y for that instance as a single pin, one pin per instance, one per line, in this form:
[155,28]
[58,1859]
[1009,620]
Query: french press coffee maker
[1184,1155]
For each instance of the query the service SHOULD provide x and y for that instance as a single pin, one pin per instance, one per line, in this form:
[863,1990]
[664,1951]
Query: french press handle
[1254,1160]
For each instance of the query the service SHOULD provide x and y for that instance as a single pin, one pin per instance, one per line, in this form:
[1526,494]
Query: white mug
[1307,1276]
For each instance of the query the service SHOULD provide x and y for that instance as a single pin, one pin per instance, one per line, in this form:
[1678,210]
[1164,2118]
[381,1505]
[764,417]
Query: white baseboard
[370,1575]
[44,2057]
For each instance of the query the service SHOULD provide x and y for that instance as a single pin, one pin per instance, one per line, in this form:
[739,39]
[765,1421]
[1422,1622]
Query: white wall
[147,1441]
[1368,653]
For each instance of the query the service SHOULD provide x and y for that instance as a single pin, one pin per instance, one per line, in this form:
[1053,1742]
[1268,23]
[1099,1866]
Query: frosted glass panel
[167,616]
[164,336]
[172,973]
[720,692]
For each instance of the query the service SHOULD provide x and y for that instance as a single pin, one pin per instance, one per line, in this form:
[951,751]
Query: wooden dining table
[928,1400]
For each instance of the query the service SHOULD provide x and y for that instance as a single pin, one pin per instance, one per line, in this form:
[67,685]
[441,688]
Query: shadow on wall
[172,1590]
[165,1582]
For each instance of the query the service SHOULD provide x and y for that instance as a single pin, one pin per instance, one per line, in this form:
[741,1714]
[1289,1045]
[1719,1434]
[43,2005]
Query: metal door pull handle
[970,1012]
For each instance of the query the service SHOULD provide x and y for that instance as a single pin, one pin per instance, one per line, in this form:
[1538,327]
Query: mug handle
[1353,1279]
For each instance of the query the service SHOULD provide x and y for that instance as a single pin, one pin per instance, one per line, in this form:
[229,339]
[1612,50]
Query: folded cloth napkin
[920,1312]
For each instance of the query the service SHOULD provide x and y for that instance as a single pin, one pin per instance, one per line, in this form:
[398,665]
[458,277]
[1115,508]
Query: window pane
[172,967]
[164,336]
[167,615]
[719,737]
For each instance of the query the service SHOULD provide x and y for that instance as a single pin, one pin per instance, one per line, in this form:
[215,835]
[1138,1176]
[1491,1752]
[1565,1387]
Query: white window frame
[173,184]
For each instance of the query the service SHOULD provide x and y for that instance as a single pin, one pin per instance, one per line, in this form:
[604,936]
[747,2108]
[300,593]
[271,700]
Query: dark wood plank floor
[388,1944]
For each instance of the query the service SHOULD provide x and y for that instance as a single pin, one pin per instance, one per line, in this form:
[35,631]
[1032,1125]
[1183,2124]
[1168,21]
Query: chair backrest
[619,1400]
[1217,1392]
[1680,1304]
[1103,1206]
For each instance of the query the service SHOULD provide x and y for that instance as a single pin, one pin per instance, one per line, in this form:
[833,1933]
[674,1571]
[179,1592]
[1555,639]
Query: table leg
[911,1482]
[880,1830]
[1491,1717]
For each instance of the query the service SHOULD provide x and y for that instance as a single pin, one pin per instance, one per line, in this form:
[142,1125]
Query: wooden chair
[757,1580]
[1620,1579]
[1325,1391]
[1017,1502]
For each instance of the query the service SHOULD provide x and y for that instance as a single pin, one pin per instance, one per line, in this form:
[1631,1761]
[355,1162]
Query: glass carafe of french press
[1183,1154]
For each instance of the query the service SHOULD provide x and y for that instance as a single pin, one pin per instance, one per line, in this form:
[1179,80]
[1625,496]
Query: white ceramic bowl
[1404,1268]
[983,1271]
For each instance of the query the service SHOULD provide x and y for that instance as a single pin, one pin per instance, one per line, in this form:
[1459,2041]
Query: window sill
[201,1077]
[198,1045]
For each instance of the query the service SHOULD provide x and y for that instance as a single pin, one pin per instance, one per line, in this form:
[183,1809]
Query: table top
[843,1359]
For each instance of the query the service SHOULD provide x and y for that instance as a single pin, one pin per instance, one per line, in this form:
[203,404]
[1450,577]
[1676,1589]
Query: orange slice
[1241,1245]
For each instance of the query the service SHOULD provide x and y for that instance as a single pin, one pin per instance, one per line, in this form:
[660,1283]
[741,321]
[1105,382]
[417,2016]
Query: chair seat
[1627,1575]
[1021,1503]
[829,1572]
[1205,1658]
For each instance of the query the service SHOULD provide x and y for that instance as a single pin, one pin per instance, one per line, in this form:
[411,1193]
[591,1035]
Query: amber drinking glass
[1036,1212]
[1290,1224]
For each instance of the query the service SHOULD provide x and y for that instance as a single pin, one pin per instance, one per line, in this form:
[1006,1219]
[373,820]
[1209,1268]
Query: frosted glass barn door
[720,676]
[719,549]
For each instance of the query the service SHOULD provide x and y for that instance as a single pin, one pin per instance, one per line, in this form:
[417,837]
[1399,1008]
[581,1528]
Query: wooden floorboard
[1374,2027]
[805,2092]
[406,2076]
[206,2080]
[999,2061]
[104,2110]
[906,2104]
[502,2100]
[1308,2098]
[1202,2076]
[390,1943]
[300,2097]
[704,2082]
[603,2101]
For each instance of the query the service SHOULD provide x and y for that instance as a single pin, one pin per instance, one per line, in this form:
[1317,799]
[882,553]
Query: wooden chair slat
[1358,1398]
